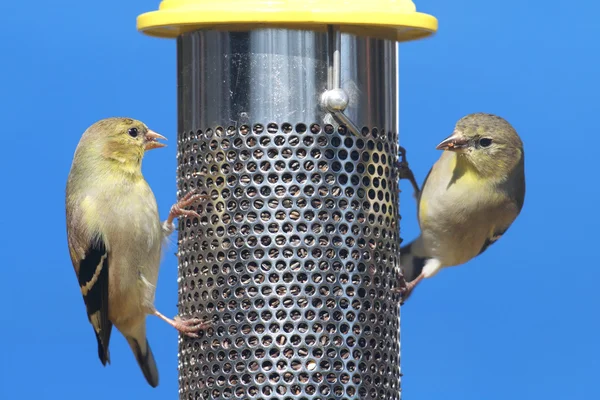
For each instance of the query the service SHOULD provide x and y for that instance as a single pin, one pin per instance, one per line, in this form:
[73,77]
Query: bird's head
[487,142]
[123,140]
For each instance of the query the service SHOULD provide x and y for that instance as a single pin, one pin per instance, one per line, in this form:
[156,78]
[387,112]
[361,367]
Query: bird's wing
[490,240]
[91,261]
[513,190]
[516,184]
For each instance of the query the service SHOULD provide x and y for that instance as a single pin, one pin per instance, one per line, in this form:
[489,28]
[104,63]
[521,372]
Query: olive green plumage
[470,197]
[115,234]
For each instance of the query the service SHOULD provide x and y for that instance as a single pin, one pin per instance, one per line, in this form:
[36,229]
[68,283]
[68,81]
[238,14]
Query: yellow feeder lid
[385,19]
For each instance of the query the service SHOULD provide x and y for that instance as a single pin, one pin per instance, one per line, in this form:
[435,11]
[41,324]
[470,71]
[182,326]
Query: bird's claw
[178,209]
[408,288]
[192,196]
[404,171]
[404,289]
[401,288]
[190,327]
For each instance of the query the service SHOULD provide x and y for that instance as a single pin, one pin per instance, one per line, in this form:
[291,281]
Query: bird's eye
[485,142]
[133,132]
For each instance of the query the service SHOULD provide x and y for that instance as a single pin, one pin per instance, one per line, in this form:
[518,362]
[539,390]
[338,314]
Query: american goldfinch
[115,235]
[470,197]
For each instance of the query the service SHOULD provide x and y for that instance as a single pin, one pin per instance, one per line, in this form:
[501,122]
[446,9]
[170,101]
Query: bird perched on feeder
[115,235]
[470,197]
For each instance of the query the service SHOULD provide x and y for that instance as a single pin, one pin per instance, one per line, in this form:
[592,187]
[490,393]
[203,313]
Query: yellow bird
[470,197]
[115,235]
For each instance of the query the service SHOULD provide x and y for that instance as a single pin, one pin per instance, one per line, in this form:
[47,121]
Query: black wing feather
[490,241]
[93,279]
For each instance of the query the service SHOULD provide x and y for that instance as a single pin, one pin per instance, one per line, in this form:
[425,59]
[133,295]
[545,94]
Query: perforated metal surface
[292,259]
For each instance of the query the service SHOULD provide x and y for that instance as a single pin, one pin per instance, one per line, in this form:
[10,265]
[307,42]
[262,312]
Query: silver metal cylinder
[298,244]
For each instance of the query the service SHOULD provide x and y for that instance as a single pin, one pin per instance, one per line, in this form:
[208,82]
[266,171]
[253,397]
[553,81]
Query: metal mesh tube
[298,243]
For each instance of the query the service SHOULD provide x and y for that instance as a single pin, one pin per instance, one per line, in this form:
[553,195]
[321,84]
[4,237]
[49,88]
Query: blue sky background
[519,322]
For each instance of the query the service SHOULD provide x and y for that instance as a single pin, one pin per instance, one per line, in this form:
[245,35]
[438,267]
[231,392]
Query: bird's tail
[143,354]
[412,259]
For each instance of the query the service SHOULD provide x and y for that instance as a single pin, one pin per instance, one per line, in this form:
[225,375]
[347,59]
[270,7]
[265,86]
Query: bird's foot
[189,327]
[410,286]
[404,172]
[401,284]
[178,209]
[407,290]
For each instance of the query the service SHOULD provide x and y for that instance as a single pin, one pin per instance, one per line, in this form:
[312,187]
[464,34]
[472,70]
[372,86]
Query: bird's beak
[151,140]
[456,142]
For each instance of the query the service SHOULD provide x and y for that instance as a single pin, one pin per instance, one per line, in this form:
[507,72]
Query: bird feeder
[288,122]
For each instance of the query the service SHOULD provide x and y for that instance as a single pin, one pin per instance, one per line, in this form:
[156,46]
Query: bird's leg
[406,289]
[410,286]
[178,210]
[404,171]
[188,327]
